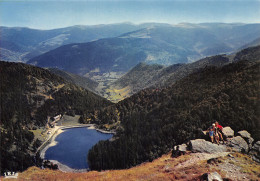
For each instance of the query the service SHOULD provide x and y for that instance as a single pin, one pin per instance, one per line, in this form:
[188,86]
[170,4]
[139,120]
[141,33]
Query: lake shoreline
[65,168]
[50,142]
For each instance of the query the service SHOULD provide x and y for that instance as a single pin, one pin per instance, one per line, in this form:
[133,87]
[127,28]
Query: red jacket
[219,127]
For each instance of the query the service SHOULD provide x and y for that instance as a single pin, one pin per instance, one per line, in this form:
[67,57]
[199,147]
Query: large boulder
[255,151]
[214,176]
[238,143]
[202,146]
[247,137]
[228,132]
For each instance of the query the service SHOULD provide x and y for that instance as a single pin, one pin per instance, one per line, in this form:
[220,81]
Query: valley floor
[233,166]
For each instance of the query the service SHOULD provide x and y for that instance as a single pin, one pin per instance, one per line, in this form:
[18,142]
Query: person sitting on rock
[219,129]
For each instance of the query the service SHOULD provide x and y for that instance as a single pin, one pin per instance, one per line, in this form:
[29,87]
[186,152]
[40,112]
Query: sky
[50,14]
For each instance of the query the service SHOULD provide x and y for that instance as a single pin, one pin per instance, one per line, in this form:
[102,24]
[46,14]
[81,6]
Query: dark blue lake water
[73,146]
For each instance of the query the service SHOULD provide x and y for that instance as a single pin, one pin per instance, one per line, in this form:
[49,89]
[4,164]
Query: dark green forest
[153,120]
[28,95]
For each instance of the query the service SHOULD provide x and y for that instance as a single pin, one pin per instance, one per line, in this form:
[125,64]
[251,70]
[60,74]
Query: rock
[182,147]
[257,146]
[214,176]
[255,152]
[247,137]
[239,144]
[228,132]
[231,156]
[213,161]
[244,134]
[202,146]
[179,150]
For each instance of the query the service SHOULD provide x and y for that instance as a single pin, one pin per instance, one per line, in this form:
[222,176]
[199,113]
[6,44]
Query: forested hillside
[153,121]
[28,95]
[81,81]
[144,75]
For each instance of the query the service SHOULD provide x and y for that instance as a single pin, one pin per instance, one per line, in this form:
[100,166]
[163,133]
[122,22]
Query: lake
[73,145]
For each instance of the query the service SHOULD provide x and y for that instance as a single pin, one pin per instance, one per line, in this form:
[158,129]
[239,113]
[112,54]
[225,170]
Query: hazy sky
[61,13]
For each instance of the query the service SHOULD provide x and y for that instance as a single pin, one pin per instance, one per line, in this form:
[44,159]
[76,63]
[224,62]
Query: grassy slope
[187,167]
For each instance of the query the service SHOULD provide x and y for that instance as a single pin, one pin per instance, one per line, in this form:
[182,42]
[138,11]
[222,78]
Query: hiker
[211,135]
[219,129]
[216,135]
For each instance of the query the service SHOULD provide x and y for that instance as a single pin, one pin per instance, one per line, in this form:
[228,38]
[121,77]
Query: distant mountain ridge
[28,43]
[156,44]
[107,55]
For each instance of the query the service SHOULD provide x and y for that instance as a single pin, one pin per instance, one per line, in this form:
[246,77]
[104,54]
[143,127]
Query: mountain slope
[29,43]
[140,74]
[158,44]
[83,82]
[108,55]
[137,78]
[153,121]
[254,43]
[251,53]
[235,34]
[28,95]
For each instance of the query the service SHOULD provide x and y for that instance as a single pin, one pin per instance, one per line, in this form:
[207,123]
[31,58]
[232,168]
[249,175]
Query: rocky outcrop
[214,176]
[255,151]
[228,132]
[238,143]
[182,147]
[200,145]
[242,143]
[247,137]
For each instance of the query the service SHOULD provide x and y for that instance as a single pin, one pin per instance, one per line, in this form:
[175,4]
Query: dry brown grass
[248,165]
[163,168]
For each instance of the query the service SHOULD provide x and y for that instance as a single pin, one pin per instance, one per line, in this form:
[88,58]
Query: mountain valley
[152,120]
[154,86]
[156,44]
[157,76]
[106,60]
